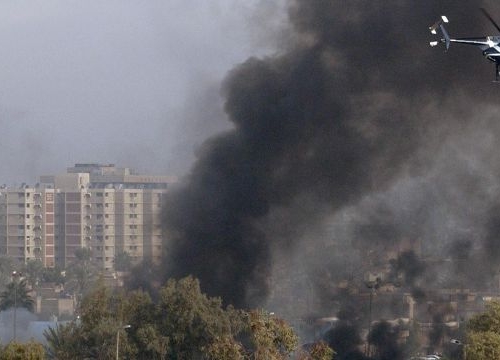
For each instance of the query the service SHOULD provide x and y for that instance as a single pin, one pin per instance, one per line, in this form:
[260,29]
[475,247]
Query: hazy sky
[134,83]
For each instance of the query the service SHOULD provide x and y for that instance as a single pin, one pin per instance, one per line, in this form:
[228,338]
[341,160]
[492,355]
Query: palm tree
[64,342]
[16,295]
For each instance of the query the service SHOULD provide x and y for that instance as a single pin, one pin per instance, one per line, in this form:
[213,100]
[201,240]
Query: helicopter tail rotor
[439,25]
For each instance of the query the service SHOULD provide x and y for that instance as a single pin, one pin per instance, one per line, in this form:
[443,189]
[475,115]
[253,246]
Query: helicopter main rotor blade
[490,18]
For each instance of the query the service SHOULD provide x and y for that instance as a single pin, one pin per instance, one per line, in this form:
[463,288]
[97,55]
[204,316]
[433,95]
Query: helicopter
[490,45]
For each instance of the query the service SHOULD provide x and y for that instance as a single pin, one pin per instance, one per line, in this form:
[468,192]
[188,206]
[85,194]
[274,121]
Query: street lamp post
[15,275]
[118,339]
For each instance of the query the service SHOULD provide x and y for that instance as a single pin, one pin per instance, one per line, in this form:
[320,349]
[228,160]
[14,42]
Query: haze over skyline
[125,82]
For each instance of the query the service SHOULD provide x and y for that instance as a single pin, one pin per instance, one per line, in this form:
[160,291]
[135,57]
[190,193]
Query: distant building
[27,224]
[100,207]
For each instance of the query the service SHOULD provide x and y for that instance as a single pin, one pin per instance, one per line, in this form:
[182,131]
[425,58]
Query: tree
[273,338]
[317,351]
[6,268]
[224,348]
[53,275]
[94,334]
[483,345]
[33,272]
[64,341]
[81,274]
[26,351]
[123,261]
[483,334]
[190,318]
[16,295]
[183,323]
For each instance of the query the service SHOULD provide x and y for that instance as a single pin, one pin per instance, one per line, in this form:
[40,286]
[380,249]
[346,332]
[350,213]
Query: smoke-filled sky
[319,111]
[358,121]
[136,83]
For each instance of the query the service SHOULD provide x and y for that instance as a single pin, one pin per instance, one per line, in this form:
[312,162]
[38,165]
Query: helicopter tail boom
[439,25]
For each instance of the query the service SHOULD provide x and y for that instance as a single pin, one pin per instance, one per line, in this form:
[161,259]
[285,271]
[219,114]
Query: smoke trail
[340,114]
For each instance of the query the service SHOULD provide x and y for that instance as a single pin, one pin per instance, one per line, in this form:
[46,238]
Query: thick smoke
[357,113]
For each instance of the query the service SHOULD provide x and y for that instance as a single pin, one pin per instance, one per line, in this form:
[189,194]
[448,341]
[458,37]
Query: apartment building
[100,207]
[27,224]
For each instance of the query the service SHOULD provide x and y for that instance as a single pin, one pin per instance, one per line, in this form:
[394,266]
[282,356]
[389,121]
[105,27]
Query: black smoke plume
[384,338]
[347,108]
[410,266]
[345,339]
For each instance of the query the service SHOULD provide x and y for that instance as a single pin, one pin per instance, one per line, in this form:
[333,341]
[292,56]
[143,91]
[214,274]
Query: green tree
[272,338]
[183,323]
[64,341]
[34,272]
[81,274]
[100,322]
[123,261]
[483,334]
[6,268]
[225,348]
[16,294]
[318,351]
[483,345]
[26,351]
[95,333]
[189,318]
[139,311]
[53,275]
